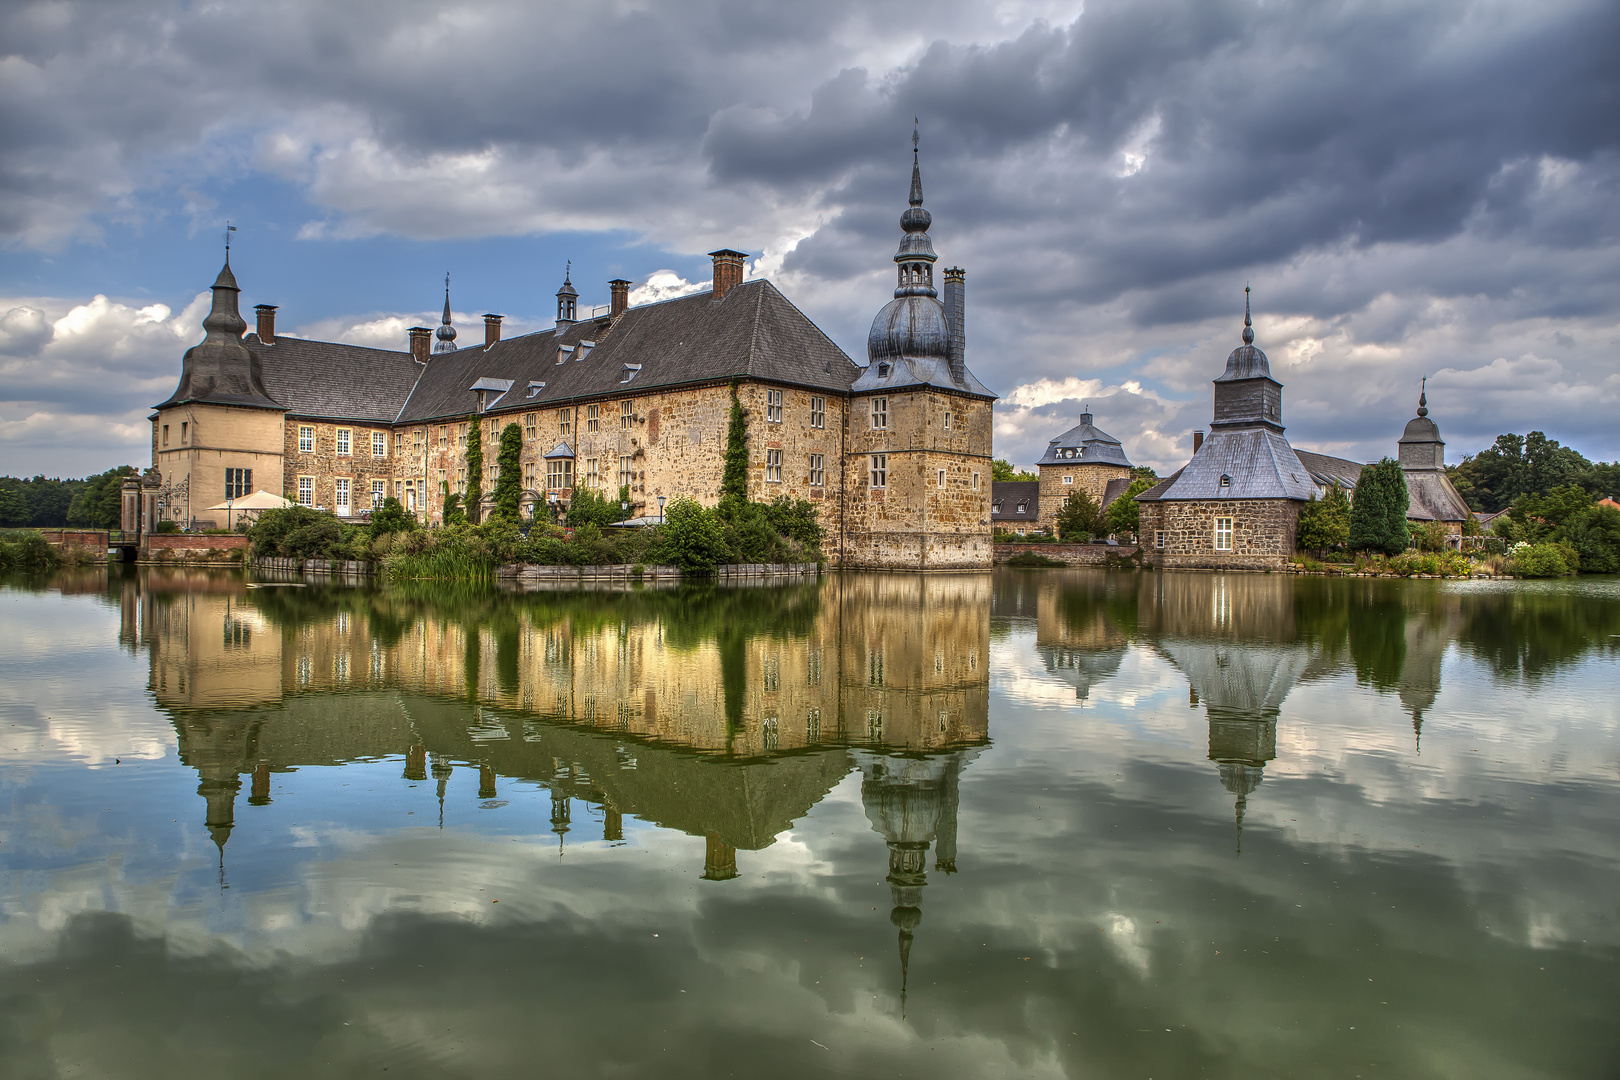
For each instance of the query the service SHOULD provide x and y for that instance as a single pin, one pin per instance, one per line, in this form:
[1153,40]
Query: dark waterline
[1050,823]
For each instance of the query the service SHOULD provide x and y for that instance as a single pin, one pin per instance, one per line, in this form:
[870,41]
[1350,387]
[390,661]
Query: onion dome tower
[220,368]
[446,334]
[912,326]
[1246,396]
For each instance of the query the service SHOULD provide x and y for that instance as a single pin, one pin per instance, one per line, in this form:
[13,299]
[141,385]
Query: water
[1049,823]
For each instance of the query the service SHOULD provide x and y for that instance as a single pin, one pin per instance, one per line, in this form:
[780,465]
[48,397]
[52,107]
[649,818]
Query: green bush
[1538,560]
[301,532]
[589,507]
[1378,515]
[391,517]
[167,527]
[1079,518]
[694,538]
[26,551]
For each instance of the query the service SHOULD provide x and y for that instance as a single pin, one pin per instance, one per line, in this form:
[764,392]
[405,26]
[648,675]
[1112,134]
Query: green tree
[1512,466]
[1001,469]
[693,537]
[734,480]
[14,511]
[1378,515]
[452,514]
[475,468]
[509,482]
[1124,514]
[589,507]
[1079,518]
[100,504]
[390,517]
[1324,524]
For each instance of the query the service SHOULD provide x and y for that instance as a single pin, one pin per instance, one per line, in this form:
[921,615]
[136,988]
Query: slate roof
[330,380]
[1116,487]
[1331,470]
[1431,497]
[753,332]
[911,373]
[1093,446]
[1008,494]
[1258,463]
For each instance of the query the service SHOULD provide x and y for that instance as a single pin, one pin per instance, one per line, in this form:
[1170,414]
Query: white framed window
[995,507]
[773,406]
[379,444]
[444,435]
[565,422]
[559,474]
[880,470]
[818,470]
[941,481]
[306,439]
[306,491]
[773,466]
[379,491]
[1158,538]
[627,414]
[1068,479]
[818,412]
[528,475]
[461,435]
[947,419]
[416,437]
[342,496]
[1223,534]
[626,473]
[975,481]
[592,414]
[530,428]
[593,478]
[880,413]
[344,436]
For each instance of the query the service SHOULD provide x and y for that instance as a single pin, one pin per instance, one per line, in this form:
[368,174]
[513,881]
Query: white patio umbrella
[258,500]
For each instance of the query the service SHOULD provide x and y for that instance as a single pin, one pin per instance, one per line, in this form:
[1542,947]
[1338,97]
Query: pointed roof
[1084,444]
[1257,463]
[220,369]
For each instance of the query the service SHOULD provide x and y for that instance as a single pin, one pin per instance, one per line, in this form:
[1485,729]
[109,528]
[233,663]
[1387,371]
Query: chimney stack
[956,322]
[728,270]
[421,343]
[1198,440]
[492,329]
[267,323]
[620,301]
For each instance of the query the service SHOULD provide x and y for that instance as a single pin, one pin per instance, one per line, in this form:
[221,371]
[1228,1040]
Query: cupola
[567,299]
[446,334]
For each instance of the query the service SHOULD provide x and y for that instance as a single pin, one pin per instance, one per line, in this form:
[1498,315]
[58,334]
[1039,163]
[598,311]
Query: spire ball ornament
[446,333]
[1248,323]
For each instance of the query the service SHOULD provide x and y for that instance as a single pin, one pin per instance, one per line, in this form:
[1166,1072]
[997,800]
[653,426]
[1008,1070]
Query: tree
[1324,523]
[1124,514]
[509,482]
[1530,465]
[1002,469]
[1079,519]
[1378,515]
[390,517]
[734,481]
[693,537]
[100,504]
[453,514]
[588,507]
[475,468]
[14,511]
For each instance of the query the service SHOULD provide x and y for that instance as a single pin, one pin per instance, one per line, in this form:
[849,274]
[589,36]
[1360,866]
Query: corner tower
[917,468]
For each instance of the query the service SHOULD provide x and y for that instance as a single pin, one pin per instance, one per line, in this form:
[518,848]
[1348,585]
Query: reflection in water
[675,799]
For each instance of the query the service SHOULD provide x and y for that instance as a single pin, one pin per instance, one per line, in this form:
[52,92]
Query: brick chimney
[728,270]
[956,323]
[620,297]
[492,329]
[267,322]
[421,343]
[1198,440]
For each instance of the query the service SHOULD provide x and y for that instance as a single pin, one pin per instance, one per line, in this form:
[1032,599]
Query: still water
[1034,824]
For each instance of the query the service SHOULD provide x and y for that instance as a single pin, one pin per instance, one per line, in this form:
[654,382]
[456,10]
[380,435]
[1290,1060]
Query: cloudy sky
[1411,189]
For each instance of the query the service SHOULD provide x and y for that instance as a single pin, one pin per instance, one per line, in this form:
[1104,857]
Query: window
[627,414]
[306,440]
[880,413]
[1023,507]
[773,466]
[563,353]
[1226,481]
[342,499]
[565,422]
[165,434]
[379,444]
[593,478]
[559,474]
[343,437]
[880,470]
[941,481]
[379,491]
[306,491]
[530,428]
[1068,479]
[461,436]
[396,489]
[818,412]
[494,473]
[773,406]
[591,418]
[818,470]
[1223,534]
[975,481]
[625,473]
[628,372]
[1158,538]
[995,507]
[183,427]
[416,437]
[947,419]
[444,435]
[528,475]
[238,483]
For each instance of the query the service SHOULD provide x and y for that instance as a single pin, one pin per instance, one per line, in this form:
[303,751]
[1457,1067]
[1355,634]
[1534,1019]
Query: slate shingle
[331,380]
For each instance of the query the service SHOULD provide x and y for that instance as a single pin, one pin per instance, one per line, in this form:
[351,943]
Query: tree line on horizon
[43,502]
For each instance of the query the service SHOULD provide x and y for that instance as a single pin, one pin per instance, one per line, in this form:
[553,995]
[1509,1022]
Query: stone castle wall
[1093,479]
[324,465]
[1263,533]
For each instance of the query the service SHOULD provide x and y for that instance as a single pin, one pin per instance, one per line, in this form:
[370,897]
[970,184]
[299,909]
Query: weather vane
[914,123]
[229,228]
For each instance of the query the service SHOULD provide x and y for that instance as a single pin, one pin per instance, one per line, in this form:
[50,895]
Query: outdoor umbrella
[258,500]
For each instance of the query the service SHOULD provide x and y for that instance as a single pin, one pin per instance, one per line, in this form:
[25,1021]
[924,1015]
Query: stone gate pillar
[129,511]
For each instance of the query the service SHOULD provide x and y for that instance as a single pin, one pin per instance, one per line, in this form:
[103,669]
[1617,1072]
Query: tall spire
[915,258]
[445,333]
[1248,323]
[916,168]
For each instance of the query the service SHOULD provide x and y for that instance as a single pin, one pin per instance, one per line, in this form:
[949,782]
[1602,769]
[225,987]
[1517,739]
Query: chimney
[620,301]
[956,322]
[492,329]
[728,270]
[267,323]
[421,343]
[1198,440]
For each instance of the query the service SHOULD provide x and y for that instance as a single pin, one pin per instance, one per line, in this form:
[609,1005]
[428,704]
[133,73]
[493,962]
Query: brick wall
[91,538]
[1262,533]
[194,542]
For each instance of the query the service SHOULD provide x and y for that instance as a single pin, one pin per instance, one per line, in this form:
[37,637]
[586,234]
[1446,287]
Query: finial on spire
[916,169]
[1423,397]
[1248,323]
[229,228]
[445,334]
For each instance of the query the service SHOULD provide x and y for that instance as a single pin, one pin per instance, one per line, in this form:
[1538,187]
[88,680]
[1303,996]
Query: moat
[1029,823]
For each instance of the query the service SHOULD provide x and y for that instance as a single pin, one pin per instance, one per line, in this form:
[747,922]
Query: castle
[895,455]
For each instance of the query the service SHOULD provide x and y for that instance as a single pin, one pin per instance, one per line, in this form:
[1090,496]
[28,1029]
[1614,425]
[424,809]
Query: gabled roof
[331,380]
[1116,487]
[1331,470]
[753,332]
[1431,497]
[1009,494]
[1161,487]
[1257,463]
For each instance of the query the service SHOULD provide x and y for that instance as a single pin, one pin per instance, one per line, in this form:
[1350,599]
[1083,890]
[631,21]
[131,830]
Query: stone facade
[1185,534]
[1058,481]
[336,451]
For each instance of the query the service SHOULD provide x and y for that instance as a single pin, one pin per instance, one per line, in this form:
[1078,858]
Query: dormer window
[1226,481]
[883,370]
[535,388]
[584,349]
[563,353]
[1023,508]
[629,372]
[995,507]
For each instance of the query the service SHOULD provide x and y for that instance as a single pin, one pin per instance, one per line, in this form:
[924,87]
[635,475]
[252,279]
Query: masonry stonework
[1092,479]
[1262,533]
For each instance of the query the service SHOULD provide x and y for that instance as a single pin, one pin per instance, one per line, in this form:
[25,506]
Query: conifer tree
[1324,523]
[475,469]
[1378,515]
[508,484]
[1079,517]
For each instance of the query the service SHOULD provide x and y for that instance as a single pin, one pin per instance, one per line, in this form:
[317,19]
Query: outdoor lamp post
[660,509]
[624,507]
[230,501]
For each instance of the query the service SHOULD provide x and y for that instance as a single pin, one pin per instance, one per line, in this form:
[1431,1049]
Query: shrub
[509,481]
[693,538]
[1431,536]
[589,507]
[391,517]
[166,527]
[295,532]
[1079,516]
[1124,514]
[1378,515]
[1538,560]
[26,551]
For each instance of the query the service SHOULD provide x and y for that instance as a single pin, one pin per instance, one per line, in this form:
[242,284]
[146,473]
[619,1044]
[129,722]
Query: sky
[1410,189]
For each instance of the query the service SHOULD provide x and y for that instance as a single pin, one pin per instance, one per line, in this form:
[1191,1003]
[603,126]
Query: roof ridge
[322,341]
[797,310]
[753,334]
